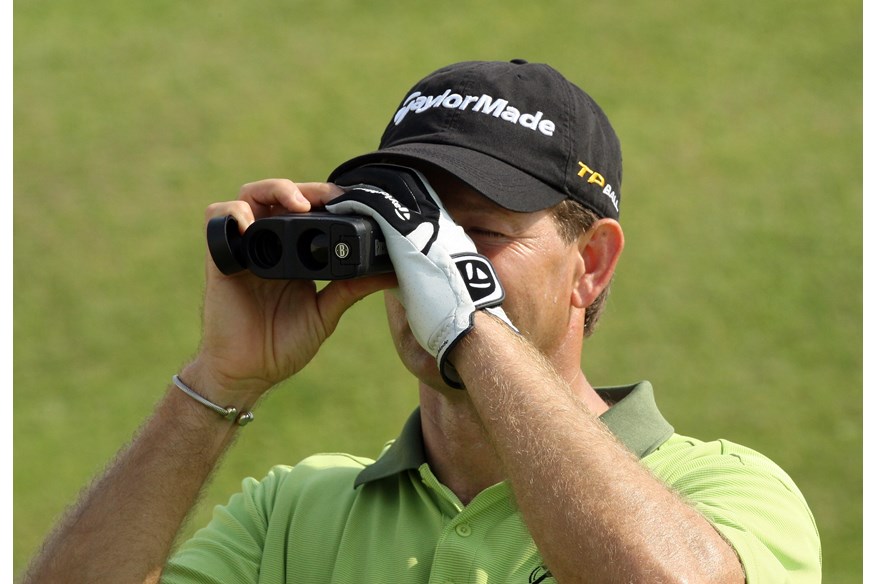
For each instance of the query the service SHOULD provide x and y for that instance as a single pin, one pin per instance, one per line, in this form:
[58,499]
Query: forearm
[124,525]
[596,514]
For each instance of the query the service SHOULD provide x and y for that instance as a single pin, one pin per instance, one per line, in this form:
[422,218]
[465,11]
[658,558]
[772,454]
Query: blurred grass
[739,294]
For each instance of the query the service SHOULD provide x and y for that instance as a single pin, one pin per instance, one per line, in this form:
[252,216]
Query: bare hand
[258,332]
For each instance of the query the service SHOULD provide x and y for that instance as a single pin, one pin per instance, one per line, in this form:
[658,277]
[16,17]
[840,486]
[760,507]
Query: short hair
[573,219]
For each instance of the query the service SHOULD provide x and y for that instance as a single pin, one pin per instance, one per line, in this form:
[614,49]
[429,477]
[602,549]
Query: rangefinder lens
[266,249]
[313,249]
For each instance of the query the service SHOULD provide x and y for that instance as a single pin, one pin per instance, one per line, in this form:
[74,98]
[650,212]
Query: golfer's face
[536,267]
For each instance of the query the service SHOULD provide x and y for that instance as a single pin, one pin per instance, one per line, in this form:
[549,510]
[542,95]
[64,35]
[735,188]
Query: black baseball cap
[519,133]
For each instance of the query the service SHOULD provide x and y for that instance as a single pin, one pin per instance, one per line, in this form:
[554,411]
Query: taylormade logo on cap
[418,103]
[518,133]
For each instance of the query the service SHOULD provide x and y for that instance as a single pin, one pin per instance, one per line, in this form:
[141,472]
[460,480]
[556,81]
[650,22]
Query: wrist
[229,413]
[489,327]
[218,388]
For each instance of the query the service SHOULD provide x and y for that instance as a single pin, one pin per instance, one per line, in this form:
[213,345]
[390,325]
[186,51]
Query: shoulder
[750,500]
[683,458]
[320,472]
[256,524]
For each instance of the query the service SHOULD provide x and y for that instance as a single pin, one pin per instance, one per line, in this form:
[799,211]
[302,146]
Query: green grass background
[739,295]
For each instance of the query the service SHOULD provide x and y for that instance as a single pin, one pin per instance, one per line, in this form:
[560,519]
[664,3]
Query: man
[497,186]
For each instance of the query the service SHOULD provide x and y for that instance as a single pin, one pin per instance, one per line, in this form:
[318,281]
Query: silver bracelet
[229,413]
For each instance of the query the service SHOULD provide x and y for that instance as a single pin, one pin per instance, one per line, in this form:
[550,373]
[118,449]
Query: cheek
[537,292]
[397,322]
[412,355]
[394,310]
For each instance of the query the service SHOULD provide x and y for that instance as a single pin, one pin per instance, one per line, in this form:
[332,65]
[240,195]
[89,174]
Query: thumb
[339,295]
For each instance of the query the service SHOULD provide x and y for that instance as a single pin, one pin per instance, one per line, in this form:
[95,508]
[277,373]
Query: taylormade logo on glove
[442,279]
[403,212]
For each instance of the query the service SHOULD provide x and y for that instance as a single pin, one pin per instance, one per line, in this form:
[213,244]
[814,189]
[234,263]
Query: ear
[600,248]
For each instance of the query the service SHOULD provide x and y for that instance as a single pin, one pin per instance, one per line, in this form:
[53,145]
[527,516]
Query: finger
[340,295]
[240,210]
[320,193]
[273,195]
[316,194]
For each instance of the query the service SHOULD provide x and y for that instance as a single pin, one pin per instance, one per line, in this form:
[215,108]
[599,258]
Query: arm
[123,527]
[569,474]
[595,513]
[256,333]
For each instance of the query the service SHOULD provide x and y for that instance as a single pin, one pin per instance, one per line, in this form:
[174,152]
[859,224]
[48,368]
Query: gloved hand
[442,279]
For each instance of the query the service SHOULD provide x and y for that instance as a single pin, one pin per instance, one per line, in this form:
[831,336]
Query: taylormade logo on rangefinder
[418,103]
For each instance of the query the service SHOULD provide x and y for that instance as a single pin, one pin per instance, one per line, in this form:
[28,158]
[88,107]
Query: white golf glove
[442,279]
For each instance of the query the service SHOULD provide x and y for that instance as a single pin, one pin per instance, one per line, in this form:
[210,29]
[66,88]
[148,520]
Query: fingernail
[301,199]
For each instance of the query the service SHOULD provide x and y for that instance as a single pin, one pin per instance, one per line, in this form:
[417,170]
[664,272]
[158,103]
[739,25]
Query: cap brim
[505,185]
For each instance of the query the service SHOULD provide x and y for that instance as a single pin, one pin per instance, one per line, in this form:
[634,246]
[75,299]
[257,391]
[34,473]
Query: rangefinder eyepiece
[311,246]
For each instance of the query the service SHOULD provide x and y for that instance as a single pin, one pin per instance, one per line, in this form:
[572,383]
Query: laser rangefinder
[316,245]
[312,246]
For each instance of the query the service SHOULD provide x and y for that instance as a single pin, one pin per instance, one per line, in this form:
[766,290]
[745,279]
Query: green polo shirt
[345,519]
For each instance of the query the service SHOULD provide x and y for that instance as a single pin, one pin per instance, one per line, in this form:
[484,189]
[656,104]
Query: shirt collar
[633,418]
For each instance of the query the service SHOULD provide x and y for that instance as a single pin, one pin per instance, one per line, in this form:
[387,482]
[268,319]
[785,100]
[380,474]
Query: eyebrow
[466,201]
[473,210]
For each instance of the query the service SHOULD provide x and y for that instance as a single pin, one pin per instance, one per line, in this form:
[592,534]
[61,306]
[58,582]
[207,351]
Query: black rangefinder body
[316,245]
[311,246]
